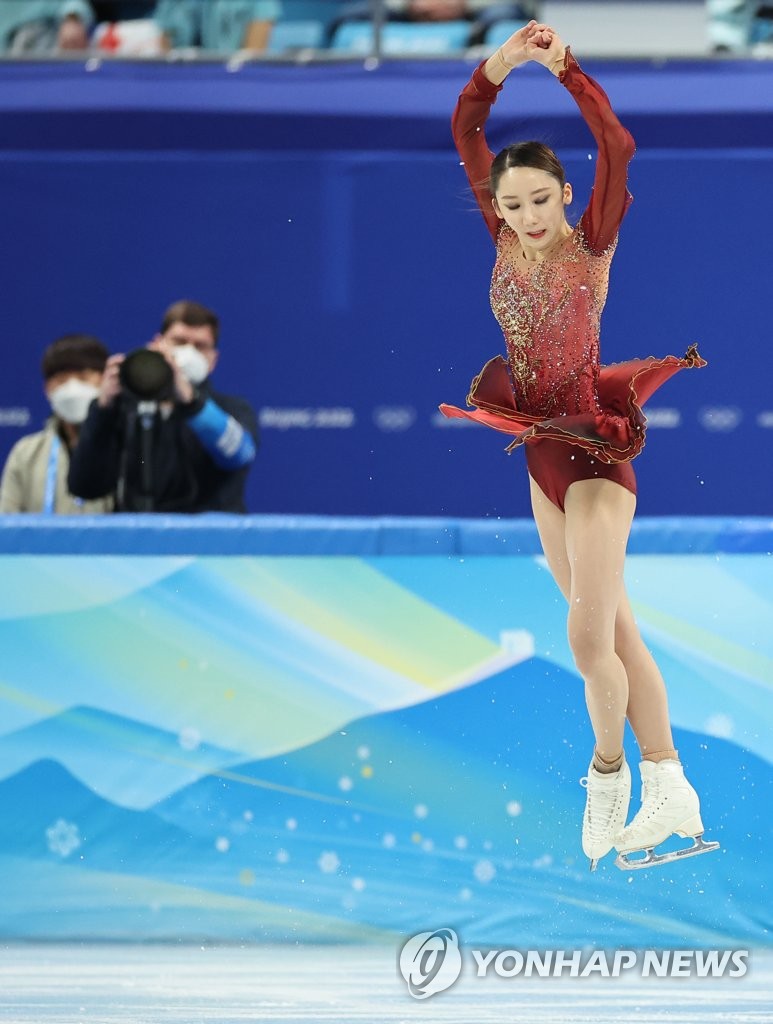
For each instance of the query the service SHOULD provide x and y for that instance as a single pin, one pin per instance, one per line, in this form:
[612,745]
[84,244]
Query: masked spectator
[35,474]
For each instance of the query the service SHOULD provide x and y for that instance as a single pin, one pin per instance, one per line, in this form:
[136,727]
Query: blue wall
[353,276]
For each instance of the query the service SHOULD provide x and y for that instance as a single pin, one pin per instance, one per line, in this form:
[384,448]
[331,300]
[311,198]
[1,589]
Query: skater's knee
[591,651]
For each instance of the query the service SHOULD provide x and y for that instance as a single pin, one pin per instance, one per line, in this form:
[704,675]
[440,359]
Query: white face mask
[71,400]
[193,364]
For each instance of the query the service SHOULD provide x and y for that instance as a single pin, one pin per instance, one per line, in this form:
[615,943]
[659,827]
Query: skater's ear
[567,194]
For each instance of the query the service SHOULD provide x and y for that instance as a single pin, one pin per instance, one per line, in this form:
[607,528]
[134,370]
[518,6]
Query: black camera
[147,376]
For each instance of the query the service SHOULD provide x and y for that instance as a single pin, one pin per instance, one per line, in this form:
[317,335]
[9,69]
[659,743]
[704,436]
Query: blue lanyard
[49,499]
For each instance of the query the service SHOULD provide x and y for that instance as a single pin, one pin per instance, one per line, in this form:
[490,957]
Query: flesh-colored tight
[584,547]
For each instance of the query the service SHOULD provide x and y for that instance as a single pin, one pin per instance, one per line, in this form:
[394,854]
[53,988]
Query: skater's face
[533,203]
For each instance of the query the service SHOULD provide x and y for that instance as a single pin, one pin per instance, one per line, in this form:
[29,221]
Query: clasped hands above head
[536,42]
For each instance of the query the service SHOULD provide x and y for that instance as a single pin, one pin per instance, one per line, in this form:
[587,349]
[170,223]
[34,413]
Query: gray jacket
[25,475]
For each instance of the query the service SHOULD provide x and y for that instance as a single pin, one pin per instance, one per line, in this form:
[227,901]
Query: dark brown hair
[526,154]
[192,314]
[72,353]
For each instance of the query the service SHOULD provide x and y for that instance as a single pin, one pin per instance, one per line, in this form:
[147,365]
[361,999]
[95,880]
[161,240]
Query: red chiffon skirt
[615,434]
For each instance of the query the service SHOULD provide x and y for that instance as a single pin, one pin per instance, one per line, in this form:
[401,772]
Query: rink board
[262,730]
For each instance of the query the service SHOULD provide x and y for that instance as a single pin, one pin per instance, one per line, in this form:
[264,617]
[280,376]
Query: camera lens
[147,375]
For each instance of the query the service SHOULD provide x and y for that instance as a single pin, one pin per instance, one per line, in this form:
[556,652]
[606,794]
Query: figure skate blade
[630,862]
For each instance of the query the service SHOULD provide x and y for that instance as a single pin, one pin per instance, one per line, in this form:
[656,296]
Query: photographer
[159,437]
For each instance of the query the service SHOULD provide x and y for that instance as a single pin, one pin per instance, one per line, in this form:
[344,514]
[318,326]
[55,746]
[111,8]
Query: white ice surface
[166,984]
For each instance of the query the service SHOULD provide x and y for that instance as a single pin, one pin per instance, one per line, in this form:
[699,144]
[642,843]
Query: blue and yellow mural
[339,748]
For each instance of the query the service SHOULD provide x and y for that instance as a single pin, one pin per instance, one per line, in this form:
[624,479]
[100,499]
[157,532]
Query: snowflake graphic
[189,738]
[63,837]
[484,871]
[329,862]
[721,726]
[542,862]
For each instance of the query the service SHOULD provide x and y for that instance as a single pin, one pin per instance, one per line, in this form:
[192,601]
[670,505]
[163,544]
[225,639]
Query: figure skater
[581,425]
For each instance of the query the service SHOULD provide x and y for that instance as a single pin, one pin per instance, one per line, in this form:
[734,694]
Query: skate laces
[654,794]
[603,803]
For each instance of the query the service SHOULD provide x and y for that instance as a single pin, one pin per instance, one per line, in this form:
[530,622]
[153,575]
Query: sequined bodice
[550,314]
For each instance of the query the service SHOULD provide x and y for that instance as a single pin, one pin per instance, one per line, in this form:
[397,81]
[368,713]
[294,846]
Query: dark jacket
[179,474]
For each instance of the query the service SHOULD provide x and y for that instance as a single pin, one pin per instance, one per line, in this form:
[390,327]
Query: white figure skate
[669,806]
[606,808]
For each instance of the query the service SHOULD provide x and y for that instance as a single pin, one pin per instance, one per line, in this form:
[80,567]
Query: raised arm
[470,115]
[610,197]
[472,111]
[228,442]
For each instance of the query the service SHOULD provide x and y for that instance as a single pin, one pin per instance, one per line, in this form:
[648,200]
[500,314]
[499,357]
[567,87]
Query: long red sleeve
[467,125]
[609,198]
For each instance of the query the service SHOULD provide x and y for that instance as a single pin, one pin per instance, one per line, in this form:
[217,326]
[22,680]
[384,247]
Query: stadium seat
[312,10]
[400,38]
[296,35]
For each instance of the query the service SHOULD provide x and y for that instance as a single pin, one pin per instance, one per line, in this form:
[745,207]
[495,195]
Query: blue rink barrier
[353,535]
[308,729]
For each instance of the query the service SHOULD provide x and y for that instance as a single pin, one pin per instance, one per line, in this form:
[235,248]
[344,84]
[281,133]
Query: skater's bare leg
[598,521]
[552,528]
[647,708]
[608,783]
[647,699]
[572,553]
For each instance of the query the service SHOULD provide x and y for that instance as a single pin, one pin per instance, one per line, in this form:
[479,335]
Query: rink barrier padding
[352,535]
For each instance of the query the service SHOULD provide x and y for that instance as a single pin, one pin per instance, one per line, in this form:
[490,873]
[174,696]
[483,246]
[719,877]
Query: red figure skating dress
[578,420]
